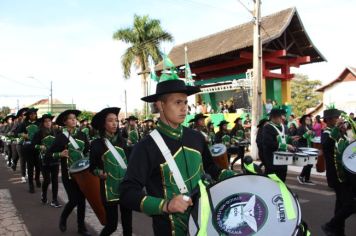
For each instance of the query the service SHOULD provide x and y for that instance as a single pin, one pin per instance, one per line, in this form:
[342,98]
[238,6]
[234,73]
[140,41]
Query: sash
[71,140]
[170,161]
[115,153]
[281,134]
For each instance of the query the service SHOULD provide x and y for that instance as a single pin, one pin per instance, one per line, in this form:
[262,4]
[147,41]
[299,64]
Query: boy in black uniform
[274,139]
[345,205]
[168,204]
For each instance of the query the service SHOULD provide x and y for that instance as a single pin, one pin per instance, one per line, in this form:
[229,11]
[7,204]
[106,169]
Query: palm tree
[144,38]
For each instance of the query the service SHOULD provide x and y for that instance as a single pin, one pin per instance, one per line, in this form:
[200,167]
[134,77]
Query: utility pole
[257,77]
[125,104]
[51,95]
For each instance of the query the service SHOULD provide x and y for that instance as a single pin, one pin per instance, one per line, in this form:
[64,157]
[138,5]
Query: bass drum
[246,205]
[90,187]
[349,158]
[219,153]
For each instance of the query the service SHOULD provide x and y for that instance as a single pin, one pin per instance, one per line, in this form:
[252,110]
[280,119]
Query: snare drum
[246,205]
[301,159]
[219,153]
[349,158]
[90,187]
[282,158]
[306,149]
[312,158]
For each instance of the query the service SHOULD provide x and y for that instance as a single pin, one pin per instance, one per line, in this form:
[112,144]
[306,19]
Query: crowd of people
[136,161]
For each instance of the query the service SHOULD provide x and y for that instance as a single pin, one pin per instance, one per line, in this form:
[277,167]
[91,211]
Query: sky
[69,42]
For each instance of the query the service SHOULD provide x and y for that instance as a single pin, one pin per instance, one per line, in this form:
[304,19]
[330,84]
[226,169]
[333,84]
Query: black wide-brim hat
[21,111]
[199,116]
[148,120]
[331,113]
[46,116]
[275,112]
[31,110]
[64,114]
[171,86]
[9,116]
[98,120]
[131,118]
[223,122]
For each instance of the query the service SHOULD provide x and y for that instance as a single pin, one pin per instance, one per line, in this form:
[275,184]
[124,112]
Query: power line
[18,82]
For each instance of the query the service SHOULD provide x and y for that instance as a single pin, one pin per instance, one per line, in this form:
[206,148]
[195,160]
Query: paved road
[22,213]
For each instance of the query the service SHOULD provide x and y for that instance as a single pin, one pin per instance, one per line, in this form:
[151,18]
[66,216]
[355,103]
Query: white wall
[343,95]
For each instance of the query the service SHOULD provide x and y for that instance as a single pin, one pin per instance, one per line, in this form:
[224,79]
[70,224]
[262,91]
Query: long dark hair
[317,118]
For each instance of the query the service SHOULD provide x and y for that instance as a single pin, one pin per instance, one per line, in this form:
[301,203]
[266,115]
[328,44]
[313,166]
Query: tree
[303,94]
[144,38]
[86,115]
[4,111]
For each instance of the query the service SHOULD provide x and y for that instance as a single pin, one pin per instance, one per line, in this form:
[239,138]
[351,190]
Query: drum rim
[299,210]
[342,159]
[220,153]
[79,169]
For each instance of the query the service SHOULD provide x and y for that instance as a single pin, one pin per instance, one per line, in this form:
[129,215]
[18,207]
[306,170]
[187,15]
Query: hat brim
[31,110]
[45,117]
[60,118]
[99,118]
[189,90]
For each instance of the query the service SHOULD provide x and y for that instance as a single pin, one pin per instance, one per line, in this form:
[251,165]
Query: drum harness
[280,133]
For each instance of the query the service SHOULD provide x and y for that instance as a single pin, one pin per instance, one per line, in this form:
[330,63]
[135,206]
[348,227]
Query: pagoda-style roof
[280,31]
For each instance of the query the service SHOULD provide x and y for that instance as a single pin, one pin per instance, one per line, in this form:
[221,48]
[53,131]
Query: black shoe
[32,189]
[328,230]
[83,231]
[62,225]
[38,184]
[55,204]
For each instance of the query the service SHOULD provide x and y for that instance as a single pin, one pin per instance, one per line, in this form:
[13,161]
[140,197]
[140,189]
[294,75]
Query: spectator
[199,108]
[268,106]
[208,108]
[317,126]
[193,110]
[204,108]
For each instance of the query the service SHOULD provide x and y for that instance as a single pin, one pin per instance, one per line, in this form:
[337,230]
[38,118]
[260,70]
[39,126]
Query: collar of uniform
[73,133]
[277,125]
[111,138]
[169,131]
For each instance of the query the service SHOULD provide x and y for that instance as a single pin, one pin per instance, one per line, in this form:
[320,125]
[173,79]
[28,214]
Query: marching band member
[211,132]
[27,130]
[108,161]
[275,139]
[69,146]
[306,135]
[223,135]
[152,169]
[148,127]
[333,144]
[238,134]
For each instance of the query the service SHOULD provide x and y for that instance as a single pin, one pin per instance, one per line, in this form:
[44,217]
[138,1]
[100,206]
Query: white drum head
[248,205]
[217,149]
[349,158]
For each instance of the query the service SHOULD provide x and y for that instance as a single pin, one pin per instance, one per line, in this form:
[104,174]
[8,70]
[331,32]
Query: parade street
[22,213]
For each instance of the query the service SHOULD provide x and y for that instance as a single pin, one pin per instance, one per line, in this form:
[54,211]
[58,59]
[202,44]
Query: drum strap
[71,140]
[280,133]
[204,209]
[286,195]
[170,161]
[116,154]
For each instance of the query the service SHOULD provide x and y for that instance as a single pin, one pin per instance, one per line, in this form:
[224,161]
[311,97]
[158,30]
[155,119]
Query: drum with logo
[349,158]
[301,159]
[247,205]
[282,158]
[90,187]
[219,153]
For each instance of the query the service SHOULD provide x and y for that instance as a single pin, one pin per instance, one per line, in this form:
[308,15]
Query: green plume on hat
[330,106]
[172,73]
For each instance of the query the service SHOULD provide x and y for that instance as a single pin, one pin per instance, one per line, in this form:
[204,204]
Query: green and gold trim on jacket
[308,137]
[31,129]
[47,142]
[341,143]
[226,139]
[115,174]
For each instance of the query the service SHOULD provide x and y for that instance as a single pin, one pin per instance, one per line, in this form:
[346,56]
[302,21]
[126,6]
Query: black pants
[240,151]
[75,199]
[33,163]
[14,155]
[280,171]
[22,160]
[345,206]
[50,175]
[306,172]
[8,152]
[112,220]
